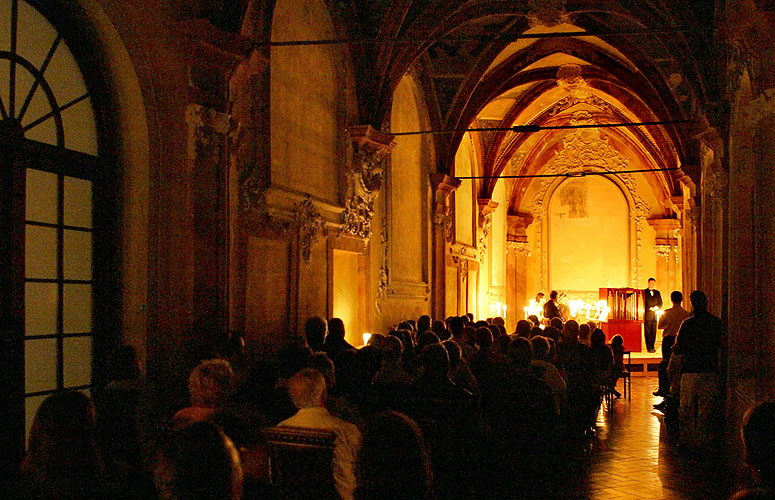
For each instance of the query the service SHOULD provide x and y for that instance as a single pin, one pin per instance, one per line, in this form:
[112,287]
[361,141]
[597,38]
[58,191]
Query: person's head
[552,333]
[536,330]
[597,338]
[322,363]
[423,323]
[427,338]
[61,446]
[440,329]
[652,283]
[699,301]
[435,361]
[676,297]
[198,462]
[211,383]
[315,332]
[392,349]
[454,352]
[484,338]
[617,341]
[584,332]
[759,440]
[592,325]
[523,328]
[571,330]
[393,461]
[553,295]
[539,296]
[497,320]
[455,326]
[336,329]
[520,353]
[540,347]
[534,319]
[307,389]
[557,323]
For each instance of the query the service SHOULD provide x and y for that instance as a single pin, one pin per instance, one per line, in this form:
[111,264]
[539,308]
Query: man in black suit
[653,302]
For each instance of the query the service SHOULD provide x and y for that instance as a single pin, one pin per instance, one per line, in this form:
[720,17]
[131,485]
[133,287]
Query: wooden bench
[300,462]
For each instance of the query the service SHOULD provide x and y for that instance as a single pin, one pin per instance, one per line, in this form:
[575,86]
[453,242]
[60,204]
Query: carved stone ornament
[587,149]
[445,220]
[464,269]
[663,250]
[763,105]
[383,286]
[309,225]
[717,185]
[485,224]
[207,131]
[569,77]
[547,13]
[364,180]
[569,101]
[519,248]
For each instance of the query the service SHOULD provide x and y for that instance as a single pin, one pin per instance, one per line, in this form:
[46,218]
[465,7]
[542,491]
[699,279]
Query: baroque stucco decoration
[547,13]
[383,285]
[485,224]
[586,149]
[370,153]
[309,225]
[207,131]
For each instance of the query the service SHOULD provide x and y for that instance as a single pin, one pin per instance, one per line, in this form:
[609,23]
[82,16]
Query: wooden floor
[632,456]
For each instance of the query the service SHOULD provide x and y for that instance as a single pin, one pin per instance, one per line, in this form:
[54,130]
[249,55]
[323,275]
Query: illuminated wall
[463,197]
[588,235]
[346,303]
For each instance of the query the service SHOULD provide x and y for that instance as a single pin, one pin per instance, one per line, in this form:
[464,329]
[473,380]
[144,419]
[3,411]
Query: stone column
[210,56]
[442,235]
[517,296]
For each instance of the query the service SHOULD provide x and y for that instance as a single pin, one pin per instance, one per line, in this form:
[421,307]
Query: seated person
[210,384]
[307,389]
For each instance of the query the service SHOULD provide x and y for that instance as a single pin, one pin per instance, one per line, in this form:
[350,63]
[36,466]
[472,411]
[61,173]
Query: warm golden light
[366,337]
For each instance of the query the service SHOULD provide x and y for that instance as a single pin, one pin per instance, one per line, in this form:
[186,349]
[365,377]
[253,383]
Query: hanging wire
[480,38]
[569,174]
[528,129]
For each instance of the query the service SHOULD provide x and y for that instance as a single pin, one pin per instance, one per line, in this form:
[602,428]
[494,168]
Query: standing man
[653,301]
[699,340]
[551,307]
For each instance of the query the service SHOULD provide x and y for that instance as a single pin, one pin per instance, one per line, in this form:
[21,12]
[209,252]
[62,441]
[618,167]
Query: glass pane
[77,202]
[80,128]
[64,76]
[41,197]
[77,309]
[24,81]
[5,30]
[77,361]
[40,365]
[40,308]
[40,251]
[5,88]
[31,406]
[35,35]
[45,131]
[77,255]
[39,106]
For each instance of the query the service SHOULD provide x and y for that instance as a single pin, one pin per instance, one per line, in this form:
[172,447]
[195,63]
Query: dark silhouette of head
[597,339]
[440,329]
[455,325]
[676,297]
[540,347]
[534,319]
[484,338]
[553,295]
[759,440]
[557,323]
[435,362]
[198,462]
[394,462]
[570,331]
[427,338]
[423,323]
[523,328]
[699,301]
[520,353]
[336,328]
[315,332]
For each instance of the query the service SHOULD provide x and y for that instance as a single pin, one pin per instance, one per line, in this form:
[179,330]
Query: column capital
[517,227]
[368,136]
[665,228]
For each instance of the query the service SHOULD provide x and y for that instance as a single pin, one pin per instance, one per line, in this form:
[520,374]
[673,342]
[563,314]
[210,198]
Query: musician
[653,302]
[552,307]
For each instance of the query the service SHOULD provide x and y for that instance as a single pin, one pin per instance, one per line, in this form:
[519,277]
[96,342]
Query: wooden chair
[300,462]
[626,376]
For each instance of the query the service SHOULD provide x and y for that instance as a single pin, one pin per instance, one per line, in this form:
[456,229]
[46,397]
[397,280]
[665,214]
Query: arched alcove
[588,238]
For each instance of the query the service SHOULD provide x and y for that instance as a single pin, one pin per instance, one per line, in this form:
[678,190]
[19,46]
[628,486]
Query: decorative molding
[569,78]
[717,185]
[370,151]
[309,225]
[442,186]
[207,131]
[486,208]
[663,250]
[586,149]
[569,101]
[519,248]
[447,223]
[547,13]
[383,286]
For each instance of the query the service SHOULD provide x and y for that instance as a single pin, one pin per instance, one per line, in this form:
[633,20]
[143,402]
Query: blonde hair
[211,383]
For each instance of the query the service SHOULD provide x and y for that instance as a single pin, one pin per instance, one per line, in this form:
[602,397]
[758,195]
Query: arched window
[50,168]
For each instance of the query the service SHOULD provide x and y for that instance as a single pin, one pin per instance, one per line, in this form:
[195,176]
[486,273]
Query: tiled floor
[633,457]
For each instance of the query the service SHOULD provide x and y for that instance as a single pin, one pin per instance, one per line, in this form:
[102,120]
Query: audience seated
[541,368]
[198,462]
[759,441]
[394,462]
[62,460]
[308,393]
[315,330]
[335,343]
[210,385]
